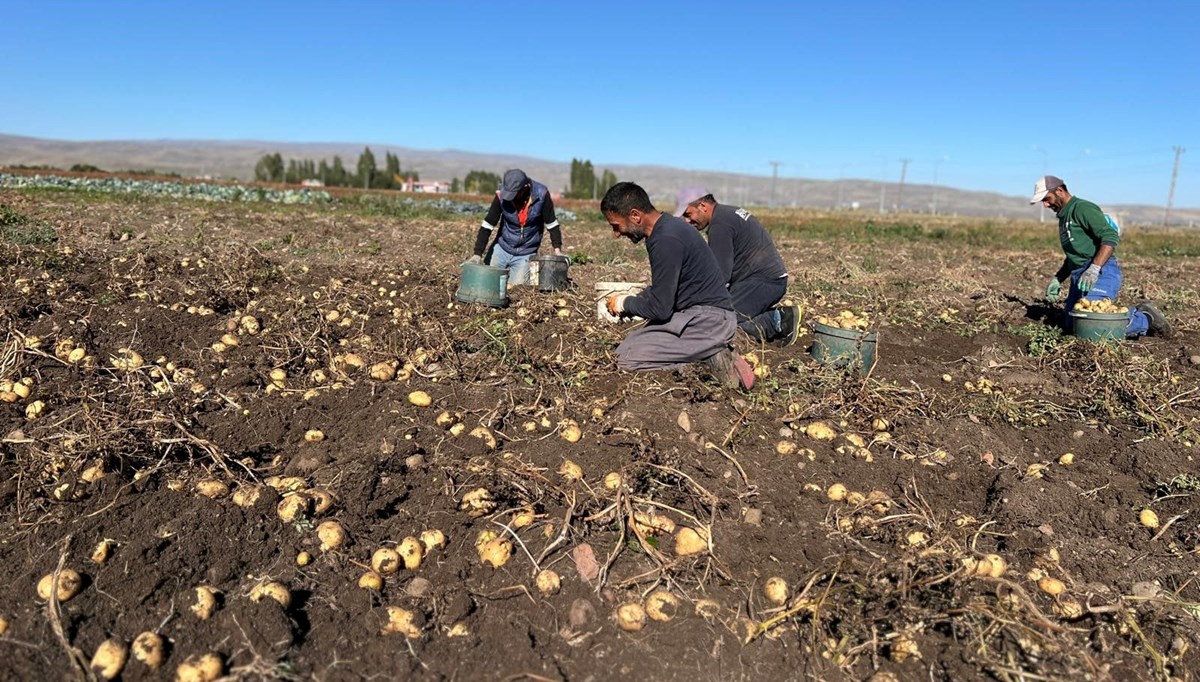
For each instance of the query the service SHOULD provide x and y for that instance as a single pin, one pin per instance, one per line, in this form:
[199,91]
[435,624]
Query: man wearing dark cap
[689,315]
[750,265]
[522,209]
[1089,241]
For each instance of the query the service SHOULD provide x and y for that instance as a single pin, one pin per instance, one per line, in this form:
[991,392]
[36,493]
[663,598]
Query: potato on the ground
[109,659]
[321,500]
[689,541]
[402,621]
[331,535]
[775,589]
[371,580]
[631,617]
[548,582]
[272,590]
[432,539]
[205,668]
[206,602]
[477,502]
[661,605]
[411,552]
[385,560]
[293,507]
[148,648]
[67,586]
[1148,518]
[496,552]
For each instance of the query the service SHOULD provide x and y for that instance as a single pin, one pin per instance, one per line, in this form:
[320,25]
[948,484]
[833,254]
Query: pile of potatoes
[1102,305]
[846,320]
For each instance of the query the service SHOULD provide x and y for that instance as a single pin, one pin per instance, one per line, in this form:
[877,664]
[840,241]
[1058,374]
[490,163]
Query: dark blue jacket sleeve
[657,303]
[720,240]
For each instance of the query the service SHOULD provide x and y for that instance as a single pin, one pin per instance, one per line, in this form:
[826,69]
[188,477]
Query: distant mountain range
[236,159]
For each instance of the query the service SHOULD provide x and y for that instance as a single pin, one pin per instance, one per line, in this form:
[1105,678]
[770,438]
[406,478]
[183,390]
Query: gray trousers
[690,335]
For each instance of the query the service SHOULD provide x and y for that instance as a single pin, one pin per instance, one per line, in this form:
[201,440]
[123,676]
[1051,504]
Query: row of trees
[271,168]
[476,182]
[583,182]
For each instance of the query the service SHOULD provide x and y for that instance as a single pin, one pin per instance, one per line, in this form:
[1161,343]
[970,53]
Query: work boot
[789,324]
[1159,326]
[730,369]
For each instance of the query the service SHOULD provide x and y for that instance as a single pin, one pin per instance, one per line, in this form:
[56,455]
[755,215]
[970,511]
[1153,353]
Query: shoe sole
[741,373]
[1159,325]
[722,369]
[793,333]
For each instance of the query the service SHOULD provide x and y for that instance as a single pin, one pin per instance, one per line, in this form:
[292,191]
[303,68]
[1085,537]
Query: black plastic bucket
[552,272]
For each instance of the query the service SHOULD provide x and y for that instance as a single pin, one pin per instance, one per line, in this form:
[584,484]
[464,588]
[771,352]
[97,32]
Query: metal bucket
[552,272]
[834,347]
[483,284]
[1099,326]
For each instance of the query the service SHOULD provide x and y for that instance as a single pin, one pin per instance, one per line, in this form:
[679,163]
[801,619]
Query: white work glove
[616,304]
[475,260]
[1088,279]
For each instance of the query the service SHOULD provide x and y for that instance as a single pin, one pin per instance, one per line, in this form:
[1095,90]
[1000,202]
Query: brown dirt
[957,466]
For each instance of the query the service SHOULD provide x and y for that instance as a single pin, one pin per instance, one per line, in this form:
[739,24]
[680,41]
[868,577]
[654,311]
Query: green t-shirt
[1082,228]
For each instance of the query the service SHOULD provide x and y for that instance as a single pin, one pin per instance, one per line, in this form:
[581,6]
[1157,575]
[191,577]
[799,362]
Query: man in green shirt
[1089,242]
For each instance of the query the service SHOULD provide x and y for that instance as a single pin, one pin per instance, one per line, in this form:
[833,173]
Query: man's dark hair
[708,198]
[623,197]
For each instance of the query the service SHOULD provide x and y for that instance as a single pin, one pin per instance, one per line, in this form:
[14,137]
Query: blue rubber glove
[1053,289]
[1088,279]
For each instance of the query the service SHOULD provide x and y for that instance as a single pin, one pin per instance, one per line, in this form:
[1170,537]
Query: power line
[774,177]
[1171,195]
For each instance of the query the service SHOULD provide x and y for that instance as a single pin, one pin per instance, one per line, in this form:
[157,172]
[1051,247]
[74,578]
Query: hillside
[236,159]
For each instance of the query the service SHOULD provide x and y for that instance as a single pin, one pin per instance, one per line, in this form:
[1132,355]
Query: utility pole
[935,185]
[883,183]
[1171,195]
[900,193]
[774,176]
[841,177]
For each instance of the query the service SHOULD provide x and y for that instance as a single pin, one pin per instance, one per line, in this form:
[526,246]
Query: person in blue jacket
[521,212]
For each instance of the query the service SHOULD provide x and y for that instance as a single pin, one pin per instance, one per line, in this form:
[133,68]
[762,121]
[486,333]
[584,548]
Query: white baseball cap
[1045,185]
[686,196]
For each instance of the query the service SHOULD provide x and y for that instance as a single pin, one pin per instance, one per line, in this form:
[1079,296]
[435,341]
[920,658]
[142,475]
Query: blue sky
[982,94]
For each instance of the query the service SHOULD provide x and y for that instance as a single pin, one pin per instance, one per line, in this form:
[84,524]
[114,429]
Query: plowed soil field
[975,509]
